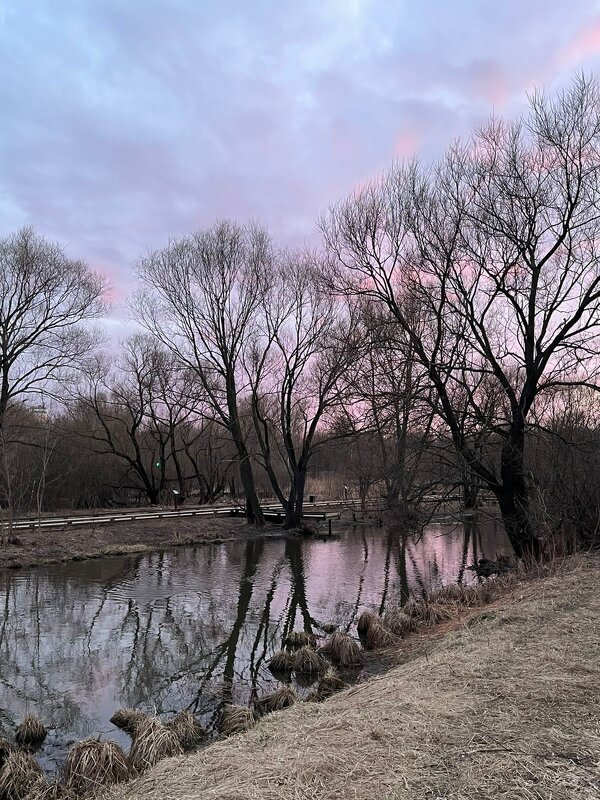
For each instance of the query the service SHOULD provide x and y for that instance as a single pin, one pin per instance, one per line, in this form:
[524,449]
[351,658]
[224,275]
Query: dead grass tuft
[188,730]
[5,748]
[128,719]
[328,627]
[300,639]
[308,662]
[281,698]
[366,619]
[43,790]
[378,637]
[399,623]
[18,775]
[329,684]
[31,732]
[93,763]
[236,719]
[343,650]
[282,661]
[153,741]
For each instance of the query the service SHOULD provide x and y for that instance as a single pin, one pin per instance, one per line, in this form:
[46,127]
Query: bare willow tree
[500,244]
[298,374]
[45,300]
[127,414]
[200,298]
[391,415]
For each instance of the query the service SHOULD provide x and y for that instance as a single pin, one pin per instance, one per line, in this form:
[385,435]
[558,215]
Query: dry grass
[43,790]
[128,719]
[328,627]
[329,684]
[236,719]
[275,701]
[282,661]
[93,763]
[152,741]
[378,637]
[18,775]
[188,730]
[5,748]
[506,707]
[343,650]
[31,732]
[300,639]
[366,619]
[399,623]
[308,662]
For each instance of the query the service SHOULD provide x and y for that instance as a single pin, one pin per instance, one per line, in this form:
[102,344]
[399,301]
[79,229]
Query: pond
[194,627]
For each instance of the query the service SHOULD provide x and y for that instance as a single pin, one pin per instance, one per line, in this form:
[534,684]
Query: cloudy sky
[126,122]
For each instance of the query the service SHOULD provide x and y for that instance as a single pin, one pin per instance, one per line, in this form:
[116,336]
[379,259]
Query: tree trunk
[254,512]
[513,496]
[295,505]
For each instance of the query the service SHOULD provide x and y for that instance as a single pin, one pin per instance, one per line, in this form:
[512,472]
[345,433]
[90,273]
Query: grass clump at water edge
[18,775]
[92,763]
[153,741]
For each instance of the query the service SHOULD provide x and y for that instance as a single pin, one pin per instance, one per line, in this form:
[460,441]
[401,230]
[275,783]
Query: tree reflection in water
[195,627]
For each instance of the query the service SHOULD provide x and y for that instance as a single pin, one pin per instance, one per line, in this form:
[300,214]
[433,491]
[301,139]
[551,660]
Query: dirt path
[52,545]
[506,706]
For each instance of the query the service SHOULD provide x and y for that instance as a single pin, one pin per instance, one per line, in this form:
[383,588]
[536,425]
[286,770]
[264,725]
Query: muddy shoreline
[40,546]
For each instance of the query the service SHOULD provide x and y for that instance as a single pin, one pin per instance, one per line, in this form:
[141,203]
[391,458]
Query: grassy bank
[53,545]
[506,705]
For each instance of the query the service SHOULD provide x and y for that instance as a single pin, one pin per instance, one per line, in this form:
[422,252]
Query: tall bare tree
[500,244]
[200,298]
[45,300]
[299,374]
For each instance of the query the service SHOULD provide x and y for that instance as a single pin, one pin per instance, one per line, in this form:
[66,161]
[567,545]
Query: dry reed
[18,775]
[275,701]
[343,650]
[328,627]
[282,661]
[188,730]
[329,684]
[43,790]
[379,637]
[399,623]
[153,741]
[300,639]
[128,719]
[366,619]
[5,749]
[308,662]
[31,732]
[93,763]
[236,719]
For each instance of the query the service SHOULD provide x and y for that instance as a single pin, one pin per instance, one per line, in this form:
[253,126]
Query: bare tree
[136,409]
[499,243]
[200,299]
[298,375]
[45,300]
[392,411]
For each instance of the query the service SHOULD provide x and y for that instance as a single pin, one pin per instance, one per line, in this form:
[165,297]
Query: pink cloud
[408,143]
[585,43]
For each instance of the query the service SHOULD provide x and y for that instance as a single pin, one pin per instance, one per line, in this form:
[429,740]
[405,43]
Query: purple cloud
[127,123]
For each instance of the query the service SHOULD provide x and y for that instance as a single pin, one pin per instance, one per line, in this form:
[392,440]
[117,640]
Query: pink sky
[126,124]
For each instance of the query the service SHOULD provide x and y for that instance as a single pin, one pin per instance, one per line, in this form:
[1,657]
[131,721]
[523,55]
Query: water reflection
[194,627]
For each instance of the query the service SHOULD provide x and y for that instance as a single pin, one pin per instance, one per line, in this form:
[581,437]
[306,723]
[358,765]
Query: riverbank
[54,545]
[506,705]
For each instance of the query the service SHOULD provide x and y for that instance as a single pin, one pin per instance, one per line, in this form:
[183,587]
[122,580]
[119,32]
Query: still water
[194,627]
